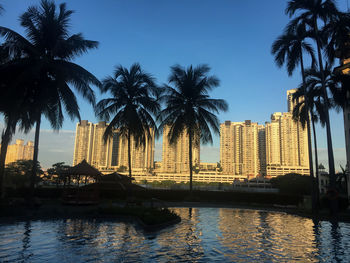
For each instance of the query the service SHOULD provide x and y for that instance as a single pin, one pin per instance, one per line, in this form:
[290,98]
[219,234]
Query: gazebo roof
[83,168]
[116,177]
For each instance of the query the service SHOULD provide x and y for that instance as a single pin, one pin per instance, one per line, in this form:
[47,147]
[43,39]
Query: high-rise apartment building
[242,148]
[175,157]
[83,142]
[247,148]
[100,147]
[90,145]
[286,143]
[19,151]
[142,156]
[290,102]
[262,149]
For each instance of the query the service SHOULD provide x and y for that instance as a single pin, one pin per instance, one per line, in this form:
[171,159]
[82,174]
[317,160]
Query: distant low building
[323,179]
[208,166]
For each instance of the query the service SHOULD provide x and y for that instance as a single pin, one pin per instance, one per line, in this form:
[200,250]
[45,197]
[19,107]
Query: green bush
[293,184]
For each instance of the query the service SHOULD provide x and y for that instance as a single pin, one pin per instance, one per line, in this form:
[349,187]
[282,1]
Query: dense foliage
[292,184]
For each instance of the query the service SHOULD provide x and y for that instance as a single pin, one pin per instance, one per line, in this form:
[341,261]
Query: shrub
[292,184]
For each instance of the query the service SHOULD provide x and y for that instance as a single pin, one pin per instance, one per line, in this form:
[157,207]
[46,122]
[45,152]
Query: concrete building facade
[19,151]
[83,142]
[113,153]
[242,148]
[175,157]
[286,143]
[278,148]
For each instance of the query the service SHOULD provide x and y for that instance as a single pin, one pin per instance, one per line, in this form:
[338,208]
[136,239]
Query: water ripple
[204,235]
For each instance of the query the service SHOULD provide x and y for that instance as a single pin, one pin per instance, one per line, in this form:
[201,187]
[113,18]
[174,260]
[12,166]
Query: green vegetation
[18,174]
[56,173]
[323,86]
[292,184]
[133,106]
[38,78]
[189,108]
[42,71]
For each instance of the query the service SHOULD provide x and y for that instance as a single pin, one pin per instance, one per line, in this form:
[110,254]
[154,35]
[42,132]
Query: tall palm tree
[338,33]
[13,107]
[289,48]
[312,12]
[313,78]
[47,56]
[337,30]
[189,108]
[133,106]
[315,109]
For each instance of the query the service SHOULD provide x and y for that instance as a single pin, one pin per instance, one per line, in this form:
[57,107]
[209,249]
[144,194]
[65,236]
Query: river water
[204,235]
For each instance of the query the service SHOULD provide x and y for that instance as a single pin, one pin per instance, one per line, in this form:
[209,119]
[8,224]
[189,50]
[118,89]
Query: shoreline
[53,211]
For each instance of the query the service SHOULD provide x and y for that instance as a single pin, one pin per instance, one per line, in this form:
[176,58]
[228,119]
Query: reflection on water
[204,235]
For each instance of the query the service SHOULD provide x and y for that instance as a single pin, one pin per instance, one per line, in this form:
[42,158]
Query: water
[204,235]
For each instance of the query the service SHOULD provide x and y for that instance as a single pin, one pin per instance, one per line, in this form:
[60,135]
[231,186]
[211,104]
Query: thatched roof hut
[84,169]
[117,181]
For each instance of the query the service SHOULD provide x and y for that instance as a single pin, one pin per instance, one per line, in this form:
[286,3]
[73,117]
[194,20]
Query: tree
[189,109]
[133,106]
[13,107]
[58,170]
[311,12]
[337,32]
[289,49]
[292,184]
[18,174]
[47,56]
[315,109]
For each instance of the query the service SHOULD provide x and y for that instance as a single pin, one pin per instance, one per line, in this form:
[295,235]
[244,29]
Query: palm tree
[289,49]
[313,79]
[47,55]
[312,12]
[133,105]
[189,108]
[13,107]
[315,109]
[337,30]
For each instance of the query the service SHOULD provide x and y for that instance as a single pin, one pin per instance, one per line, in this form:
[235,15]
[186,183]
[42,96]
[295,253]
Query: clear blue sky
[233,37]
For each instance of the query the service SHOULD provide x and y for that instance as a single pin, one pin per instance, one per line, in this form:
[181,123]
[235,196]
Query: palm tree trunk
[309,144]
[190,159]
[328,126]
[316,160]
[5,140]
[35,156]
[129,153]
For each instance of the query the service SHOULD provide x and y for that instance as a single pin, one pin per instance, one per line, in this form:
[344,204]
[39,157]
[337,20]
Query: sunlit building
[142,156]
[19,151]
[242,148]
[286,143]
[113,153]
[83,142]
[100,147]
[175,157]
